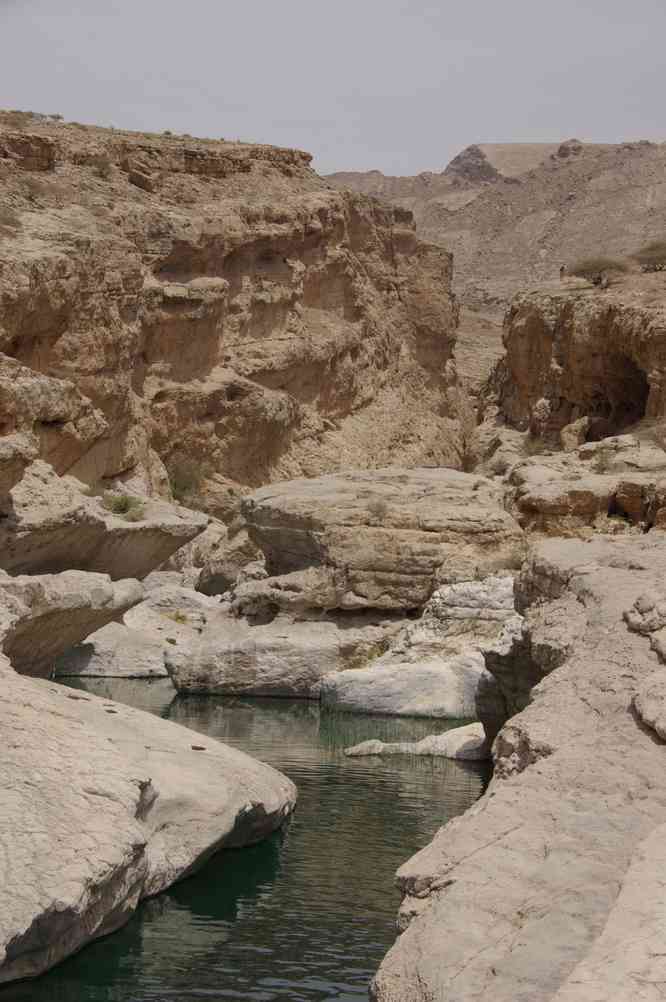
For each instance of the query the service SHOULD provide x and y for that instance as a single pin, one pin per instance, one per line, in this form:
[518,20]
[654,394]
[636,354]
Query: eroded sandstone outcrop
[199,317]
[50,525]
[575,355]
[544,889]
[386,538]
[434,666]
[347,557]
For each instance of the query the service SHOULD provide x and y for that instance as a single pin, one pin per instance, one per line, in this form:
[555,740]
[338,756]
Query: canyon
[251,446]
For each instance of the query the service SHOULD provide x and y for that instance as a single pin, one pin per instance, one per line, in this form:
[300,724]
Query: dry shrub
[127,506]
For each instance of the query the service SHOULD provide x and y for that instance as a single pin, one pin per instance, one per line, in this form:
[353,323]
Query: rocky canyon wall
[205,316]
[578,356]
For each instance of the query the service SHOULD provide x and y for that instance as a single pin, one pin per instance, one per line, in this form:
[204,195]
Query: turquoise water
[307,915]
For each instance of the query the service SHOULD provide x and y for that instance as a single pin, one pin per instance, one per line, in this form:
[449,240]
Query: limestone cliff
[213,308]
[579,354]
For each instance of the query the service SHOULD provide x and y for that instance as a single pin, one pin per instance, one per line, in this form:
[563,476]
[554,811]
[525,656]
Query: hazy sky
[400,86]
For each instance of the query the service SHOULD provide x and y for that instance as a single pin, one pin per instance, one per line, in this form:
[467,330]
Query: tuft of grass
[136,514]
[125,505]
[592,268]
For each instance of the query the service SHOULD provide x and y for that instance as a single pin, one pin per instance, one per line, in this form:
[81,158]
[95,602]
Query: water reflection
[307,915]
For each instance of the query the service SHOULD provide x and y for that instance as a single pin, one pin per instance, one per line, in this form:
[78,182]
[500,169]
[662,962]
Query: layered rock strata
[348,557]
[197,317]
[50,524]
[581,356]
[383,539]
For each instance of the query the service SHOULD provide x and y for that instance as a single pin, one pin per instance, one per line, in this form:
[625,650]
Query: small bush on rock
[131,508]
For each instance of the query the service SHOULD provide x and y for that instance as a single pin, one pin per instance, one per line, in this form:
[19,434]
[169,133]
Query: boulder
[54,526]
[438,687]
[386,538]
[43,615]
[212,561]
[434,666]
[115,651]
[466,744]
[287,656]
[104,805]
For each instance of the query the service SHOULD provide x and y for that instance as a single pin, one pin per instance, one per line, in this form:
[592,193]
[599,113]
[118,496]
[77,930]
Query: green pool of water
[307,915]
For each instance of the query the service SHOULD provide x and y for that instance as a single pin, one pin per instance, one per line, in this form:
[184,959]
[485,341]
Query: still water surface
[308,915]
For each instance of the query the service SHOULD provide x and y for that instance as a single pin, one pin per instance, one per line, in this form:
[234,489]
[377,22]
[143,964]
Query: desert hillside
[512,214]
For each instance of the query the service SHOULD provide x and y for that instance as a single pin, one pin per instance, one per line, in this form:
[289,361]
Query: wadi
[332,523]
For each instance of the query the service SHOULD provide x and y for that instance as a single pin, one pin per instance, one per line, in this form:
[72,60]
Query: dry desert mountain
[513,214]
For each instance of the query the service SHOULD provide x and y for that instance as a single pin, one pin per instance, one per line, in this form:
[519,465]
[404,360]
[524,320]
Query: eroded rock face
[218,308]
[132,803]
[382,539]
[572,356]
[530,894]
[434,666]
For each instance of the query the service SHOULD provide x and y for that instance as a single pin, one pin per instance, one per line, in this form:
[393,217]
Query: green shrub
[131,508]
[652,257]
[593,267]
[136,514]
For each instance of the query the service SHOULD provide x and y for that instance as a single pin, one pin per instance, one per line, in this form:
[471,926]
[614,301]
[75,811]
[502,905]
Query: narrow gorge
[273,534]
